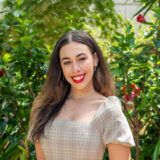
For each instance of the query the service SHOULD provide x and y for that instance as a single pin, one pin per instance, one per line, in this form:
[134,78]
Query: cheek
[88,66]
[65,71]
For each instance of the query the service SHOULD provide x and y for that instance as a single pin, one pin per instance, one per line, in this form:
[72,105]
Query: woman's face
[77,63]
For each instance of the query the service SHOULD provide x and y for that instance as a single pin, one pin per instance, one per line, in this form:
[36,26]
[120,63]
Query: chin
[80,86]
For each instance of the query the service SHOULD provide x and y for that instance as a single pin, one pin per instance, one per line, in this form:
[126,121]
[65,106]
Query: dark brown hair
[56,89]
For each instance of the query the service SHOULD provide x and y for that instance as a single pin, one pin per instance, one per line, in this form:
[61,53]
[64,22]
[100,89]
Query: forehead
[73,49]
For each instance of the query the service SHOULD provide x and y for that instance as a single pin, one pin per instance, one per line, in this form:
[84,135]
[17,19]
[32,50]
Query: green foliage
[23,57]
[157,151]
[147,5]
[137,61]
[56,17]
[27,32]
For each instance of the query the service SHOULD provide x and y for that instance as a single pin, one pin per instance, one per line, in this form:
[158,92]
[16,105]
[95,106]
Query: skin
[39,152]
[118,152]
[76,59]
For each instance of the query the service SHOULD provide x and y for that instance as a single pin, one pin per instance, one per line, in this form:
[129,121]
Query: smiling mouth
[78,78]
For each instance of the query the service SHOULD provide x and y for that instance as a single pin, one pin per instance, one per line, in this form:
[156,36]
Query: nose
[75,68]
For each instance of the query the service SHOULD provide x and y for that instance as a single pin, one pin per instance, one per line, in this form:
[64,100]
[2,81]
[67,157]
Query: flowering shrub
[2,72]
[140,18]
[137,73]
[28,31]
[130,92]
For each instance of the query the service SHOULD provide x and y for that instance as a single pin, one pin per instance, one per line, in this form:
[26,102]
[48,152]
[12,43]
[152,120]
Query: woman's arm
[39,152]
[118,152]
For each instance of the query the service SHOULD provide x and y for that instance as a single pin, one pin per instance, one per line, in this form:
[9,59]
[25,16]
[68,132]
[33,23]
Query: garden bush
[28,31]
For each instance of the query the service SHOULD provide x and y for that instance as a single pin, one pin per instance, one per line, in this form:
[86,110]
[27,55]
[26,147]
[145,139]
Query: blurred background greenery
[28,32]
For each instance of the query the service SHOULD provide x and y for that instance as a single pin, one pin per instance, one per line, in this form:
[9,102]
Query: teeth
[78,77]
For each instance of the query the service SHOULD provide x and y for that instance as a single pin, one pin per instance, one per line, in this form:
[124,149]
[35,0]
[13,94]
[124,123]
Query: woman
[76,116]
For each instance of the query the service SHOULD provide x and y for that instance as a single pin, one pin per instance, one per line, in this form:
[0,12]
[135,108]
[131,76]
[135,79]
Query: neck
[79,94]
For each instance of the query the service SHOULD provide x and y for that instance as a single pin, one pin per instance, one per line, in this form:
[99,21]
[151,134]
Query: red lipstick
[78,78]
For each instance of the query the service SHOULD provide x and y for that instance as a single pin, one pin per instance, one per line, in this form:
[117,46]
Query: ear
[95,59]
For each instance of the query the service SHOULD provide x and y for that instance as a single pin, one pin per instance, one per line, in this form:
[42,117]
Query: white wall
[127,8]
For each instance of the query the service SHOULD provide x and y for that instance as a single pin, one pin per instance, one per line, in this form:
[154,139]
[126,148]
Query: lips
[78,78]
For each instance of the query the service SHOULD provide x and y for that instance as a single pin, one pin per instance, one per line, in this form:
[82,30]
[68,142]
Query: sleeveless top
[70,140]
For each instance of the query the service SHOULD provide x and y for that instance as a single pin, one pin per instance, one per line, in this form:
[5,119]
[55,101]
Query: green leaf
[6,57]
[128,29]
[117,71]
[150,33]
[157,43]
[157,71]
[157,13]
[157,151]
[143,8]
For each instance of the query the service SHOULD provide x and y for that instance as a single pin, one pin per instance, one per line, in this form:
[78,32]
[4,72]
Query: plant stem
[136,133]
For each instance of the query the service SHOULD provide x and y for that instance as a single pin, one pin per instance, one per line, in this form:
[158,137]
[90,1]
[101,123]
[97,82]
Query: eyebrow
[80,54]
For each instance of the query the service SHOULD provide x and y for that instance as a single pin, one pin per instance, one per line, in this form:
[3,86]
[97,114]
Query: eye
[67,62]
[82,58]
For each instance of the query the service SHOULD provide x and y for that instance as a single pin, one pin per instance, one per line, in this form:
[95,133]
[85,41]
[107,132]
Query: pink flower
[140,18]
[130,92]
[2,72]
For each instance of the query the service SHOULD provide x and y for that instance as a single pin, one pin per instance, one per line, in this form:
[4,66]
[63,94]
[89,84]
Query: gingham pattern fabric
[73,140]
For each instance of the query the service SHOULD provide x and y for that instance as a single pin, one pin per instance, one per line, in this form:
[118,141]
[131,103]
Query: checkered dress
[74,140]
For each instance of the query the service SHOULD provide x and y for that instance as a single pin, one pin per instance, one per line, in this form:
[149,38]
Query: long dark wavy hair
[56,89]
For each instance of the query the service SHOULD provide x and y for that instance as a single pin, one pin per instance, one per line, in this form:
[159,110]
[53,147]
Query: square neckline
[78,122]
